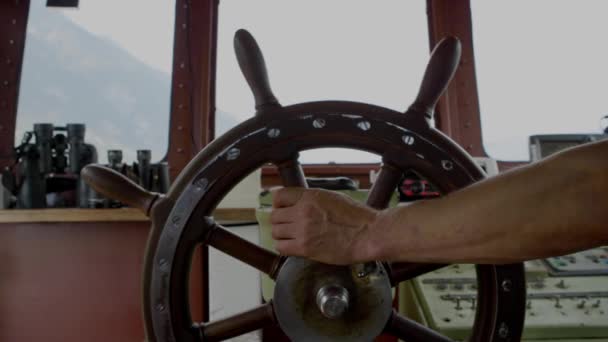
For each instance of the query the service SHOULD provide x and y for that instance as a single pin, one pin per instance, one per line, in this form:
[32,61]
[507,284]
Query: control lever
[116,186]
[439,71]
[253,66]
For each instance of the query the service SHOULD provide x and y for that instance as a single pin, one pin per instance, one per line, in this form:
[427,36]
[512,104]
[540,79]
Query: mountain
[73,76]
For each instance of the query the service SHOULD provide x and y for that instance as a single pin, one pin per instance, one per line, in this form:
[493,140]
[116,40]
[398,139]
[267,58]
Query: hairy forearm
[549,208]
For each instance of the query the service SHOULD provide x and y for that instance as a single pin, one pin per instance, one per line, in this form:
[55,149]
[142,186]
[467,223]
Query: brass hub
[319,302]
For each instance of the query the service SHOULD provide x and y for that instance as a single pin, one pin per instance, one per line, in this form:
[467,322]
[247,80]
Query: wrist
[391,233]
[373,246]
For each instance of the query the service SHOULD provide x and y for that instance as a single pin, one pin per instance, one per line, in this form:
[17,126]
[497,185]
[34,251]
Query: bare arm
[553,207]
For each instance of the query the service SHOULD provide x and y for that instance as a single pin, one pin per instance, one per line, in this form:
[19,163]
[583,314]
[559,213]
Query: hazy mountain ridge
[73,76]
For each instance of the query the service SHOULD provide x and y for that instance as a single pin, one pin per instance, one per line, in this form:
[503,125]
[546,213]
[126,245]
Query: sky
[72,73]
[142,27]
[541,68]
[541,65]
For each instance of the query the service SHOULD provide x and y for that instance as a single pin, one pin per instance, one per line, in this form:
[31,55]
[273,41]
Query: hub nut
[332,300]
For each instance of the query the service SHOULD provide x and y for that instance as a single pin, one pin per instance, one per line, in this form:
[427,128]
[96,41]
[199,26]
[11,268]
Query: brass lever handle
[116,186]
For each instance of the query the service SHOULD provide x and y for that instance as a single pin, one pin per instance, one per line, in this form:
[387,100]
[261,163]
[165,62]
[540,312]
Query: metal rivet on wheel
[201,184]
[233,153]
[503,331]
[163,264]
[506,285]
[408,139]
[318,123]
[160,307]
[447,165]
[274,132]
[364,125]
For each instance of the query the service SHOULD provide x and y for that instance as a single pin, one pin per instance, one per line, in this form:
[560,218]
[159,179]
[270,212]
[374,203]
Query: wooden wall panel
[73,282]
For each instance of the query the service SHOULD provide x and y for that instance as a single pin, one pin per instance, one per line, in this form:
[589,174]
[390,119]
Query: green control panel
[567,306]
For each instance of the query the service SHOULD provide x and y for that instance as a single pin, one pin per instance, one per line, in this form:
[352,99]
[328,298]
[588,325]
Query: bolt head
[408,139]
[332,301]
[318,123]
[503,331]
[447,165]
[364,125]
[274,132]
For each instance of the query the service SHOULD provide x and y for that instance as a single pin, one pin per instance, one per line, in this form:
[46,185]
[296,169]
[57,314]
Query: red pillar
[193,85]
[458,112]
[13,25]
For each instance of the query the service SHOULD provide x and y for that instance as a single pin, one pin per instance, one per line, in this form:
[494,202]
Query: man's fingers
[282,231]
[283,215]
[289,247]
[286,197]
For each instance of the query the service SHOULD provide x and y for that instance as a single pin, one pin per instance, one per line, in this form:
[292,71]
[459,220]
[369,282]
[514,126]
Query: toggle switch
[458,306]
[557,303]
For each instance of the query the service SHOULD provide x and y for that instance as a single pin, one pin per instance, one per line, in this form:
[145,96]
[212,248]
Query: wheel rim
[404,143]
[277,134]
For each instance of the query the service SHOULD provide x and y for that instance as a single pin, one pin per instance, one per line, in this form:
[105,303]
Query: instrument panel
[558,307]
[567,296]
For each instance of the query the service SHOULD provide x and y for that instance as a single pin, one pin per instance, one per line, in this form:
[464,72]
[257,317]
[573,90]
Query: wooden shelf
[107,215]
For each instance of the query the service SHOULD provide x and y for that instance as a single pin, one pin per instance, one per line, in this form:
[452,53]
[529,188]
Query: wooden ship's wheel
[312,301]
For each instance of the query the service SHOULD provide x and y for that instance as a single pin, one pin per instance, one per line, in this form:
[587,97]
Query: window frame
[14,17]
[192,111]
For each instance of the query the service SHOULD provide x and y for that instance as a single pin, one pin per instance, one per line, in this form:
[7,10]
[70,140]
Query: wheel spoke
[291,173]
[408,330]
[243,250]
[402,271]
[384,187]
[239,324]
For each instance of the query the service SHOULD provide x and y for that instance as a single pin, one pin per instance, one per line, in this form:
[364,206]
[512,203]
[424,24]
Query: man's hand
[321,225]
[553,207]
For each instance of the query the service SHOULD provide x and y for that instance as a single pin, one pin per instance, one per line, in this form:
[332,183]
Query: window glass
[541,69]
[104,64]
[373,52]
